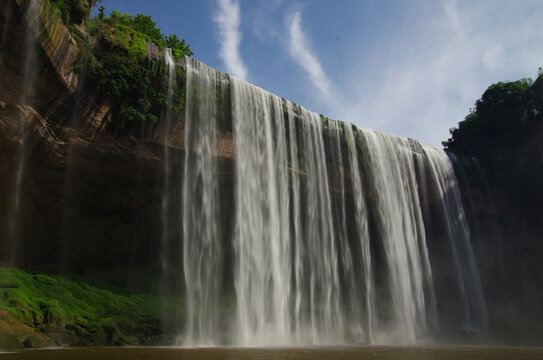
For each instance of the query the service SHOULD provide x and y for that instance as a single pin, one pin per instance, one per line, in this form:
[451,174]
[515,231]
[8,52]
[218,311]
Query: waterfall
[328,232]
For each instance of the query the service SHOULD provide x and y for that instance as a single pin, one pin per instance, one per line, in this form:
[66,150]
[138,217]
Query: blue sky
[412,68]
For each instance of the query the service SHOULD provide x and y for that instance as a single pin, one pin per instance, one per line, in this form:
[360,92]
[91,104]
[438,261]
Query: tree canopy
[145,26]
[502,116]
[73,11]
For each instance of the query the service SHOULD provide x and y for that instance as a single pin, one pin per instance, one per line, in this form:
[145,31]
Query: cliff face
[78,196]
[24,30]
[503,199]
[59,129]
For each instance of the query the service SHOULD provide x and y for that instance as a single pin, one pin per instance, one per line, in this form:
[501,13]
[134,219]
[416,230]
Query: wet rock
[16,334]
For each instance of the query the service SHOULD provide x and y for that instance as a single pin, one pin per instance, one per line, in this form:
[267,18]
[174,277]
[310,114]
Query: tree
[145,25]
[178,47]
[500,118]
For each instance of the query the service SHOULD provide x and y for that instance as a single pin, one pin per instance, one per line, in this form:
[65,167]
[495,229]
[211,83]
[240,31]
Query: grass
[76,307]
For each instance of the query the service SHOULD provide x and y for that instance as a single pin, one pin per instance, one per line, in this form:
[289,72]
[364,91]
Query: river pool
[321,353]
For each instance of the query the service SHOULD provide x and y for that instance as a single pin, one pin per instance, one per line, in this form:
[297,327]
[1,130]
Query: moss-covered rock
[41,310]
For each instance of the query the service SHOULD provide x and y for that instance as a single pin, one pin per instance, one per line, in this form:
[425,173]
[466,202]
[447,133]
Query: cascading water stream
[296,230]
[392,182]
[261,238]
[369,322]
[346,272]
[202,252]
[321,318]
[473,309]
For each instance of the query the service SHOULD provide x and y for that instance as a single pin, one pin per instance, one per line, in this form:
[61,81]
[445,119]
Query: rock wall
[503,198]
[90,196]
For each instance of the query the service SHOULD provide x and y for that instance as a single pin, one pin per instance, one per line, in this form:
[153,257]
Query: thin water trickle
[32,17]
[6,27]
[166,196]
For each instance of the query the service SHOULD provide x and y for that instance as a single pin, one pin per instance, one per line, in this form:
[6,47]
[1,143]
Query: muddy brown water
[336,353]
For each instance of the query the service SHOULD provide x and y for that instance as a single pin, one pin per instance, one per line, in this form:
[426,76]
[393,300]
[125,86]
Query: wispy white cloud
[421,84]
[228,20]
[301,51]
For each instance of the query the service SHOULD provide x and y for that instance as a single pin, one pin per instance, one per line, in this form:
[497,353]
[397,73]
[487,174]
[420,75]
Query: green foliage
[145,26]
[502,117]
[72,11]
[135,88]
[63,8]
[118,17]
[137,45]
[122,36]
[179,49]
[135,92]
[40,299]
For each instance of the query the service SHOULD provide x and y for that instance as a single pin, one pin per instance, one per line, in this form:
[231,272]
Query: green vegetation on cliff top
[135,88]
[73,12]
[114,60]
[504,132]
[501,119]
[143,27]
